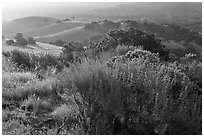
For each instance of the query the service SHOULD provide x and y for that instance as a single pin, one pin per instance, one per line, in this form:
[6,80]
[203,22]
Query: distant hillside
[26,23]
[180,13]
[4,22]
[48,29]
[174,37]
[75,34]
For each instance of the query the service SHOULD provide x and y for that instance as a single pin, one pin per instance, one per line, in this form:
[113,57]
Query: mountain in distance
[44,30]
[179,13]
[47,29]
[22,24]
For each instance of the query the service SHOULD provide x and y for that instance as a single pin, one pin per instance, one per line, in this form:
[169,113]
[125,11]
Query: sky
[13,10]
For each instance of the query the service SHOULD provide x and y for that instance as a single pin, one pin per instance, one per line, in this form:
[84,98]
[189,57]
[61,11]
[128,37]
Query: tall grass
[134,93]
[20,88]
[148,98]
[28,62]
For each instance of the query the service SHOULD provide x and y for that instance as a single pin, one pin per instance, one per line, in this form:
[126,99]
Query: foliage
[136,37]
[36,105]
[28,61]
[18,36]
[186,34]
[10,42]
[58,42]
[31,40]
[122,49]
[103,26]
[21,42]
[135,97]
[117,85]
[192,67]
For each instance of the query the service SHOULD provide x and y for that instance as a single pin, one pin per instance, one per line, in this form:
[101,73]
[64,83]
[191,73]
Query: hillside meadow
[102,68]
[38,48]
[105,89]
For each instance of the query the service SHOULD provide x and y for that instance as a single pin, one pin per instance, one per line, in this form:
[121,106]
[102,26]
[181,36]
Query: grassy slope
[197,47]
[48,29]
[75,34]
[19,87]
[39,48]
[168,33]
[174,45]
[23,24]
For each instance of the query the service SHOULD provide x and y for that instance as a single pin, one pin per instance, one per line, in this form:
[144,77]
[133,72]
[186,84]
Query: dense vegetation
[165,32]
[125,83]
[21,41]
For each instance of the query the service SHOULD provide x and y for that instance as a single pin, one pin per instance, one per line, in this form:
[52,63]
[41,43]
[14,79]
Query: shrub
[136,37]
[13,127]
[7,65]
[147,55]
[134,97]
[36,105]
[192,67]
[18,91]
[59,42]
[18,36]
[21,42]
[31,41]
[67,54]
[10,42]
[21,59]
[30,61]
[122,49]
[69,110]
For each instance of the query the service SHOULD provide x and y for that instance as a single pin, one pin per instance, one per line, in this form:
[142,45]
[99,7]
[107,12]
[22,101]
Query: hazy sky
[55,9]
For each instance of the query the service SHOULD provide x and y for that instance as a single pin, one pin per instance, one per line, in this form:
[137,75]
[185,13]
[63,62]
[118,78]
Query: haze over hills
[24,24]
[14,10]
[166,12]
[39,29]
[50,29]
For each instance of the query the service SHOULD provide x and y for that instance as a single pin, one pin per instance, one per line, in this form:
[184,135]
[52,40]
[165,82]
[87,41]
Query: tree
[59,42]
[67,54]
[58,21]
[21,42]
[31,41]
[135,37]
[10,42]
[18,36]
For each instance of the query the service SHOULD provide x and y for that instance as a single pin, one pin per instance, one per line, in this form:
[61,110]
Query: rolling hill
[48,29]
[23,24]
[188,14]
[75,34]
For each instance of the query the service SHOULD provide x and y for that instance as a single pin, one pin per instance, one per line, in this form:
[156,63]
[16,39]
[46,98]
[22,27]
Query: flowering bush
[134,97]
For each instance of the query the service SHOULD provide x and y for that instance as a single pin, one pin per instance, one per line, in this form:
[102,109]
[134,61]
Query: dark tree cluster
[31,41]
[58,42]
[10,42]
[103,26]
[134,37]
[20,41]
